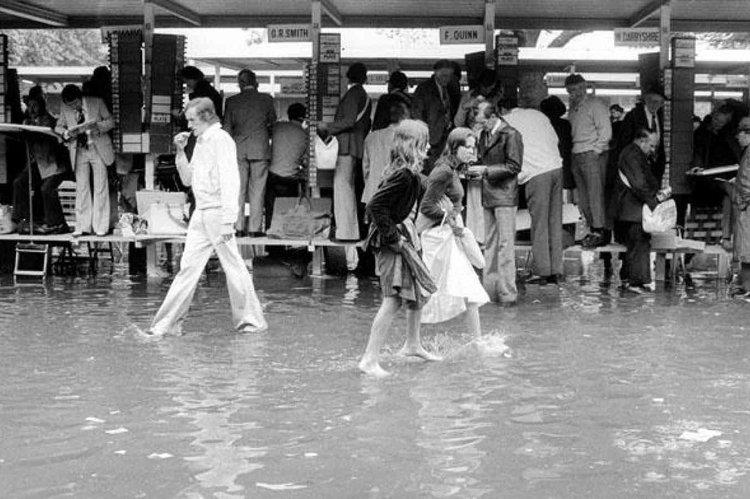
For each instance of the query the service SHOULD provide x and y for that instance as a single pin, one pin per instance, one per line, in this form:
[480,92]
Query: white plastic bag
[6,221]
[662,219]
[326,154]
[166,219]
[471,248]
[453,274]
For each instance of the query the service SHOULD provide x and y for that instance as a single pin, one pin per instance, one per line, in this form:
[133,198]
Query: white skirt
[456,279]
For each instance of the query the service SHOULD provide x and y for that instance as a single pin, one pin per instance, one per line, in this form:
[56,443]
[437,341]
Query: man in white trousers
[214,176]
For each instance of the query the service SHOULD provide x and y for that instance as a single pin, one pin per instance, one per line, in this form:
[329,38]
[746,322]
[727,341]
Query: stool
[31,249]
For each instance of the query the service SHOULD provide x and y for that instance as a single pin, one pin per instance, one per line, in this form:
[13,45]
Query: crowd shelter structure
[673,65]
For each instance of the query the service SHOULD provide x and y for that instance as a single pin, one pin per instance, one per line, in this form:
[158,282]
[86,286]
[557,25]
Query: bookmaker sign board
[637,37]
[288,33]
[455,35]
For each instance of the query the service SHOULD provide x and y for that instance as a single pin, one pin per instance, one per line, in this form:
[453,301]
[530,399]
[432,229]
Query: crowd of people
[104,179]
[610,161]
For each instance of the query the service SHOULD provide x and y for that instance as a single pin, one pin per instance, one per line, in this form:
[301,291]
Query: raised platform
[316,247]
[149,242]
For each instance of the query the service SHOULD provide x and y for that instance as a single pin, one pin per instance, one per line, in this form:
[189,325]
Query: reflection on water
[210,386]
[577,392]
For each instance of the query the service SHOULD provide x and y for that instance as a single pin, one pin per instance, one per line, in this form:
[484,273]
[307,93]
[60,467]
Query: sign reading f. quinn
[288,33]
[454,35]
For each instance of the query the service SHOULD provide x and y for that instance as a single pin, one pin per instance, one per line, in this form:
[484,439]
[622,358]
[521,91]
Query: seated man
[46,176]
[289,152]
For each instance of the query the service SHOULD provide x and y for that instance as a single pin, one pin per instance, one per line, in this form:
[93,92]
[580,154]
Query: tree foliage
[409,36]
[254,36]
[56,47]
[726,40]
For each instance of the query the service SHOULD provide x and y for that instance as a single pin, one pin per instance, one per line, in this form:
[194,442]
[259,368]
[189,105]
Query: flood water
[600,395]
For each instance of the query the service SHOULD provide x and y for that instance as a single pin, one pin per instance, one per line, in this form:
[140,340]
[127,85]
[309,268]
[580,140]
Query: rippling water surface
[600,395]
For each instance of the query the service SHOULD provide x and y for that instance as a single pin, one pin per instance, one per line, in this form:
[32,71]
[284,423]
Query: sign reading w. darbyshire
[637,37]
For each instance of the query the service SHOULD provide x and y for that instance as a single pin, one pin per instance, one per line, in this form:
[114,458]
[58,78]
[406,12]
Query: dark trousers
[637,260]
[278,187]
[47,188]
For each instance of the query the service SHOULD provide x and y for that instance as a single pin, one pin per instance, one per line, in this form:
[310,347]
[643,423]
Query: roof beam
[33,13]
[178,11]
[332,12]
[645,13]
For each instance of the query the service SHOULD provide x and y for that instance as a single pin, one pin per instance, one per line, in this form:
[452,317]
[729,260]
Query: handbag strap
[304,197]
[624,179]
[364,110]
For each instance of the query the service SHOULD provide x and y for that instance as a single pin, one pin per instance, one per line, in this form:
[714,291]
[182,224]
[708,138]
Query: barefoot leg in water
[413,345]
[369,363]
[472,320]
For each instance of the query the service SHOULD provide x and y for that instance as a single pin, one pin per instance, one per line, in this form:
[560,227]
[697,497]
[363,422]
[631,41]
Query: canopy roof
[687,15]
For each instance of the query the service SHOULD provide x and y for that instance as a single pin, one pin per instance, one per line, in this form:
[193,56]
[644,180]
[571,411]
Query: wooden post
[489,33]
[665,14]
[148,44]
[314,114]
[217,81]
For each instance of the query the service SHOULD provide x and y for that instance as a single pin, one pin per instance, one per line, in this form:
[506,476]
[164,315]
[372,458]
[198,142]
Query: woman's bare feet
[372,368]
[419,351]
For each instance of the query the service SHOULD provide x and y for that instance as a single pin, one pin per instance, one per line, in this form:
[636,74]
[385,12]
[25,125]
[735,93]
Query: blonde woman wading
[214,176]
[404,279]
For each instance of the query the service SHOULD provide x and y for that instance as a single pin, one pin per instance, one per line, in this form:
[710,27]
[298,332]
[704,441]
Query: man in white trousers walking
[214,176]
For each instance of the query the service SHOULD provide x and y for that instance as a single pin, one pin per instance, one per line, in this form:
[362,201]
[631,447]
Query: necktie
[82,139]
[446,102]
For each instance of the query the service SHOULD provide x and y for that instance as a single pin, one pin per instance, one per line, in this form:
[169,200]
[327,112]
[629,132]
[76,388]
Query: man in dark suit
[398,86]
[432,104]
[350,125]
[249,118]
[197,86]
[646,114]
[635,185]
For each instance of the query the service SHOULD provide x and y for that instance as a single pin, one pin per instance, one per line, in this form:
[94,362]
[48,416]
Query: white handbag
[663,218]
[6,219]
[472,249]
[326,154]
[166,219]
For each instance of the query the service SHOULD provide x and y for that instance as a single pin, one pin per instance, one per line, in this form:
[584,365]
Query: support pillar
[217,81]
[148,45]
[314,113]
[665,35]
[489,33]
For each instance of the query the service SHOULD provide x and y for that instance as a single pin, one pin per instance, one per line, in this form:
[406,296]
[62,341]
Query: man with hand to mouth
[214,176]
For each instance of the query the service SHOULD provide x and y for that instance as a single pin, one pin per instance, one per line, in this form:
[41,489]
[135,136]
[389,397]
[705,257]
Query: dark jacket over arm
[391,205]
